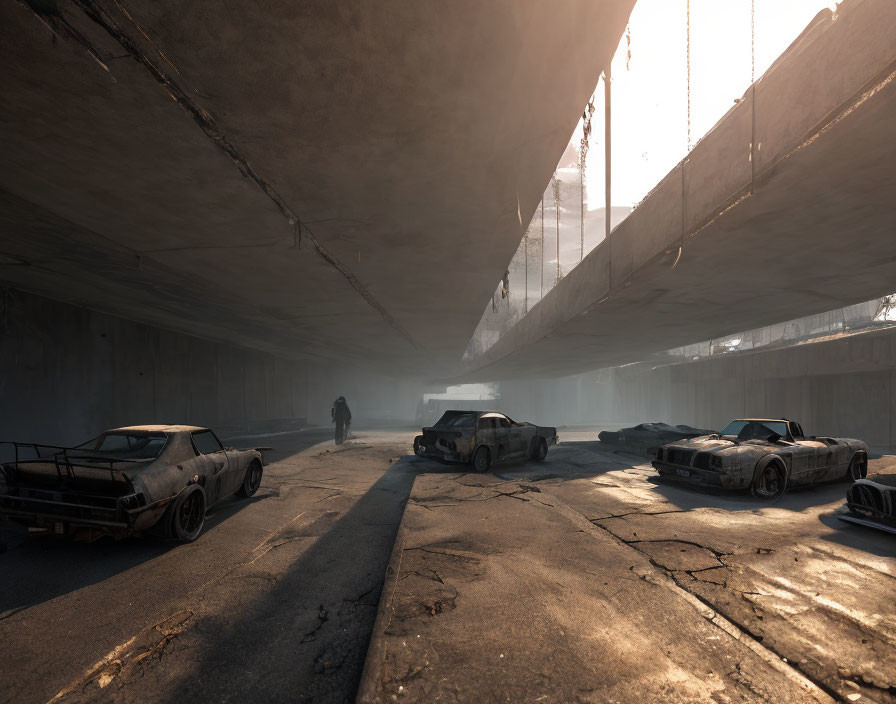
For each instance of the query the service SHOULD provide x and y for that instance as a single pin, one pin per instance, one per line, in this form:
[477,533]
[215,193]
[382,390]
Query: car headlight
[133,501]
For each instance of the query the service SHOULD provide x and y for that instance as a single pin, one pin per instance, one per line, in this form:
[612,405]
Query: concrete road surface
[580,578]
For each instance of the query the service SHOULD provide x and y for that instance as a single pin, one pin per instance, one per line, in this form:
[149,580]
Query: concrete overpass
[330,181]
[784,209]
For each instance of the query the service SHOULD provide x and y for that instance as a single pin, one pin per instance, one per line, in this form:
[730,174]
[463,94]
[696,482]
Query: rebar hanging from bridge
[556,184]
[542,247]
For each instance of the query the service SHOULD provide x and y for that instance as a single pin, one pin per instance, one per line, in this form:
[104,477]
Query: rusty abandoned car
[482,438]
[872,503]
[647,437]
[765,456]
[128,480]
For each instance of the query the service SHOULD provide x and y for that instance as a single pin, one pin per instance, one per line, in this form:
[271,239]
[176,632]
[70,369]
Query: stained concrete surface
[583,579]
[257,172]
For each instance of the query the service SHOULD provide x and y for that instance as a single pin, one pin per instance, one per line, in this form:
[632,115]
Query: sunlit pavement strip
[663,594]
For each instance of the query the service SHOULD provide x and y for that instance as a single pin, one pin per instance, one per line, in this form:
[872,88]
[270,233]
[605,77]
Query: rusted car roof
[157,429]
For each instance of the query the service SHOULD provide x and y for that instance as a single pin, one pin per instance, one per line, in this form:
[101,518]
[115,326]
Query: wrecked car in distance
[763,455]
[647,437]
[126,481]
[872,503]
[483,437]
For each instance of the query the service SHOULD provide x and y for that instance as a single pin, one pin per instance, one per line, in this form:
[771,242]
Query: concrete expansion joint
[720,618]
[57,23]
[664,577]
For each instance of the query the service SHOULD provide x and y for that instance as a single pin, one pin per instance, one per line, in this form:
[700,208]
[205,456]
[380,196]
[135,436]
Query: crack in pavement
[770,654]
[322,617]
[637,513]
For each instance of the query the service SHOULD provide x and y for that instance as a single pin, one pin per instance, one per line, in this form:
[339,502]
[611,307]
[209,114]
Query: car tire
[770,481]
[858,467]
[482,460]
[539,449]
[186,514]
[417,441]
[252,480]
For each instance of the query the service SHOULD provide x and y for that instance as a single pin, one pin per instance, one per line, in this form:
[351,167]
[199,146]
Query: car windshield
[756,429]
[457,419]
[125,446]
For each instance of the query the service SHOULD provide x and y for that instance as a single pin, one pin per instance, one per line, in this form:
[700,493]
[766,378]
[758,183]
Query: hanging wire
[688,43]
[752,41]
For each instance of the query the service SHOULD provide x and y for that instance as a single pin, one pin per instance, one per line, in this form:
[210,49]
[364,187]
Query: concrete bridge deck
[784,209]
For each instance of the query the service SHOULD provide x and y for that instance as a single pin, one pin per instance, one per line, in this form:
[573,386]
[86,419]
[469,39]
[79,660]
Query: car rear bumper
[67,518]
[437,453]
[703,477]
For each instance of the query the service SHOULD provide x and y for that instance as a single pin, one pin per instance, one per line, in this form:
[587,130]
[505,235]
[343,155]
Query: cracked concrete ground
[274,602]
[577,579]
[584,579]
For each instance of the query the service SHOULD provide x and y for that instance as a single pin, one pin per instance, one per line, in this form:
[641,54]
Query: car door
[218,480]
[517,439]
[504,436]
[485,435]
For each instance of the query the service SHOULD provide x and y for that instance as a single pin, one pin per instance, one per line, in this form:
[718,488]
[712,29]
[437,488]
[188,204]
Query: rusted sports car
[647,437]
[872,503]
[126,481]
[483,437]
[763,455]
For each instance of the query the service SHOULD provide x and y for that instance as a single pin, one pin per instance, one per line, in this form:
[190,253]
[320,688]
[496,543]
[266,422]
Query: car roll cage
[61,458]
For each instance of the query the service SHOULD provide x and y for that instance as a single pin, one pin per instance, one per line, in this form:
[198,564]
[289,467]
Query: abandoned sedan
[126,481]
[482,438]
[763,455]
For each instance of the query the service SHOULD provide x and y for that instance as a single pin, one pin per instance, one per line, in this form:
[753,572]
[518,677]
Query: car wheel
[187,514]
[858,466]
[770,481]
[482,460]
[252,480]
[539,449]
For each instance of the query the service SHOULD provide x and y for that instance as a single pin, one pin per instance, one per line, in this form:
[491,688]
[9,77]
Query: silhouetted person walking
[342,417]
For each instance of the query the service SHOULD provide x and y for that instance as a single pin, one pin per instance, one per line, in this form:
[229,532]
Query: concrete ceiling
[342,180]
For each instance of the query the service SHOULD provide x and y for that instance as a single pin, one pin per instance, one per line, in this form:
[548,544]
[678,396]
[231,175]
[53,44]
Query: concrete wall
[841,387]
[69,373]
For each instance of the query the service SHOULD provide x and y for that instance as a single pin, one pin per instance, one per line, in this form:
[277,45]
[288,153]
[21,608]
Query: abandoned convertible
[483,437]
[126,481]
[763,455]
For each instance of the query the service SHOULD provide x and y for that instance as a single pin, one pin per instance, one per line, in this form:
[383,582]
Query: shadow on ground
[314,650]
[38,568]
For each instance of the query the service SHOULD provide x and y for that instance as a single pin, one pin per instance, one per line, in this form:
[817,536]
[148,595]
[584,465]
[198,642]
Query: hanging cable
[688,45]
[752,41]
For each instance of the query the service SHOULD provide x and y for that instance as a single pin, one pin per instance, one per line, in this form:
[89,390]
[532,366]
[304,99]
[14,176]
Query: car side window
[206,443]
[486,423]
[503,422]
